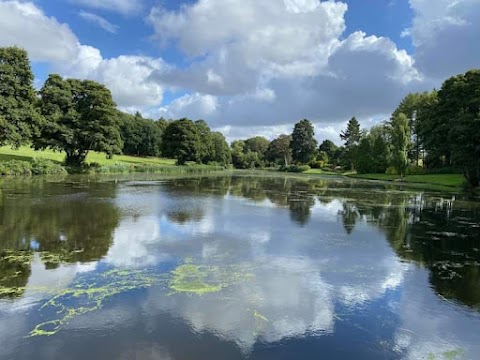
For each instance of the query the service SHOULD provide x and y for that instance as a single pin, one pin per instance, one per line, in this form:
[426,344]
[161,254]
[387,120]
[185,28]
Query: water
[236,267]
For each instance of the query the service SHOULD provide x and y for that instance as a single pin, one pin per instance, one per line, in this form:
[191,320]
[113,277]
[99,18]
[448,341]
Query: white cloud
[128,77]
[445,34]
[125,7]
[245,42]
[99,21]
[25,25]
[270,66]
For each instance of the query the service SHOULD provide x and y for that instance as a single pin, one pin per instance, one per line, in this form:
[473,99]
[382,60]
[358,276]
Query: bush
[318,164]
[415,170]
[296,168]
[47,167]
[391,171]
[25,168]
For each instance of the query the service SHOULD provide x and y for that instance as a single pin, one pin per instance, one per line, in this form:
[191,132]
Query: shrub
[318,164]
[296,168]
[391,171]
[415,170]
[47,167]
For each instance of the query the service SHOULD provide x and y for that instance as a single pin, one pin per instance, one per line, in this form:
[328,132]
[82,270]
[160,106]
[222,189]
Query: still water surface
[236,267]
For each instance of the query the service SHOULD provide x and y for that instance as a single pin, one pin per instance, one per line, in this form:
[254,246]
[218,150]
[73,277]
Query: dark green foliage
[205,147]
[279,151]
[80,116]
[459,107]
[221,150]
[181,141]
[351,136]
[141,137]
[296,168]
[257,144]
[331,150]
[19,119]
[303,145]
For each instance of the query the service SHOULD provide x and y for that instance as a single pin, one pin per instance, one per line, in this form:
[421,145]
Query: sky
[250,67]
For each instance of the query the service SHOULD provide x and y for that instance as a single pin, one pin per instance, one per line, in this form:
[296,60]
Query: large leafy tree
[303,145]
[180,141]
[19,120]
[417,109]
[80,116]
[459,108]
[205,146]
[332,151]
[221,150]
[351,136]
[141,137]
[279,150]
[400,141]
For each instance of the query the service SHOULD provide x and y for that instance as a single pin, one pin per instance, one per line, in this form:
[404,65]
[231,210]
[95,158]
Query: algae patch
[88,296]
[204,279]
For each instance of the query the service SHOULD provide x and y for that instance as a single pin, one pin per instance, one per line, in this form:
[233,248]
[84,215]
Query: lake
[236,267]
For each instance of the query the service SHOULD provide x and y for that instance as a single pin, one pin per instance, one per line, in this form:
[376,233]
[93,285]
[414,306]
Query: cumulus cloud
[125,7]
[445,34]
[99,21]
[128,76]
[243,42]
[25,25]
[273,65]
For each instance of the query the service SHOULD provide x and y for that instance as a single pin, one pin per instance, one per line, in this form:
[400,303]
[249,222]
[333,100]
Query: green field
[451,180]
[25,153]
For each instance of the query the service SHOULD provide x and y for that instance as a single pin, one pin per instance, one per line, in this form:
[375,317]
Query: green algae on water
[89,296]
[205,279]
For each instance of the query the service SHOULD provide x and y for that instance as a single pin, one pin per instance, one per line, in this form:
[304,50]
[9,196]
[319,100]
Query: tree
[416,107]
[279,151]
[80,116]
[331,150]
[400,135]
[459,108]
[238,154]
[180,141]
[303,143]
[351,136]
[141,137]
[19,120]
[205,144]
[221,150]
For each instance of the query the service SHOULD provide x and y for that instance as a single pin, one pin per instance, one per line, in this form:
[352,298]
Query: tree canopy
[303,143]
[80,116]
[19,119]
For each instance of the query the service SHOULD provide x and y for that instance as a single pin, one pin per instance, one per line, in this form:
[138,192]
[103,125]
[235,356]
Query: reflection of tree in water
[183,217]
[14,273]
[433,232]
[63,223]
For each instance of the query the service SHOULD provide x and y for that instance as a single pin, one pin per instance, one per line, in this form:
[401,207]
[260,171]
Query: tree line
[430,131]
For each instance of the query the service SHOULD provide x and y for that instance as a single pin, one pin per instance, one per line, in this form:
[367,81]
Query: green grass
[451,180]
[319,172]
[26,153]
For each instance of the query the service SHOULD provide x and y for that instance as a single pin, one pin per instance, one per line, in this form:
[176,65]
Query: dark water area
[236,267]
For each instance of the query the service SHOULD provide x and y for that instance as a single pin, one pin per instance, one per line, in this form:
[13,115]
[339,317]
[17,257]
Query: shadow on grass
[5,157]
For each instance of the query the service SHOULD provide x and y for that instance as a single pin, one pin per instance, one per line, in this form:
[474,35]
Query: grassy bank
[449,180]
[26,161]
[25,153]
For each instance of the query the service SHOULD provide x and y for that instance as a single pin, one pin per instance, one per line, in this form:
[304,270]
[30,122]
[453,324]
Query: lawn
[453,180]
[319,172]
[26,153]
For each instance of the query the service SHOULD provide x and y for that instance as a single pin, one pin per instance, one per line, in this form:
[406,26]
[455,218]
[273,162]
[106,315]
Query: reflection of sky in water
[312,279]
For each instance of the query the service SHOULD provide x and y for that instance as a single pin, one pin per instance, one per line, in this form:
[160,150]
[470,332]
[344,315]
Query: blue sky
[250,67]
